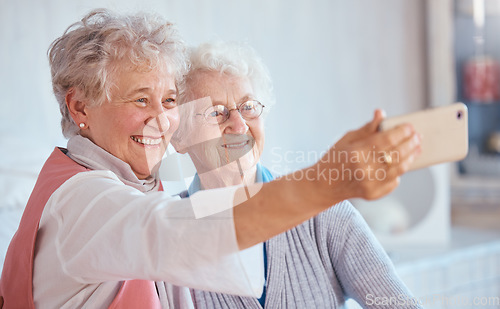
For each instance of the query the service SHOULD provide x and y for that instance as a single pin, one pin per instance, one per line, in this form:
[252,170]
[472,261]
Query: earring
[82,125]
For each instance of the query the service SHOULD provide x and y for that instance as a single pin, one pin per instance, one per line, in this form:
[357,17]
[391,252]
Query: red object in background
[482,80]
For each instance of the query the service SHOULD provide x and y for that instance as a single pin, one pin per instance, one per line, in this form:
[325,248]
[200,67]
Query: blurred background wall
[333,62]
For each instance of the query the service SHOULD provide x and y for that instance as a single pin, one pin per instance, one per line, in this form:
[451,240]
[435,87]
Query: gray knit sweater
[321,263]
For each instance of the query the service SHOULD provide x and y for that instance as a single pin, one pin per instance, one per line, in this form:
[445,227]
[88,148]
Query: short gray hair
[85,56]
[232,58]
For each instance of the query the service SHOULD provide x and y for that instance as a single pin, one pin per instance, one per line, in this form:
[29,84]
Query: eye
[250,109]
[216,110]
[169,103]
[143,102]
[247,106]
[216,114]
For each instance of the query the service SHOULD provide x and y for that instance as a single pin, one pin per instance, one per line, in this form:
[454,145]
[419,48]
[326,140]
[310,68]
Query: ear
[76,103]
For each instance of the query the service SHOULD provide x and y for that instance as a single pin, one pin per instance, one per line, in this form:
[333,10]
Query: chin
[147,167]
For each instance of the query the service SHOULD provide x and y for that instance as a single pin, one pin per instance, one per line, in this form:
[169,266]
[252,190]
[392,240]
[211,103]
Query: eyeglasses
[218,114]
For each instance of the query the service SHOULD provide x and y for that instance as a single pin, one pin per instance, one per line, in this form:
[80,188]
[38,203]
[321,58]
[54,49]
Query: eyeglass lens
[220,113]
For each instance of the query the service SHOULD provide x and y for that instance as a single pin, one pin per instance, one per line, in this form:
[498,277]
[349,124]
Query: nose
[156,108]
[235,124]
[158,118]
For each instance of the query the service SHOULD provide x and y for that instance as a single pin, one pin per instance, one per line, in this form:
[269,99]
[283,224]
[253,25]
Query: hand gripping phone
[444,132]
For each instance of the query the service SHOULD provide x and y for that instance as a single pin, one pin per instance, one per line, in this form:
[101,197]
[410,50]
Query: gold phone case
[444,132]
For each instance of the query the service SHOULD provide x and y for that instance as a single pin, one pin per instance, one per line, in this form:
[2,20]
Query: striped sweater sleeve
[364,270]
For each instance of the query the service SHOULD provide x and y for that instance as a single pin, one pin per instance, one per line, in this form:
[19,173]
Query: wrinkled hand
[367,163]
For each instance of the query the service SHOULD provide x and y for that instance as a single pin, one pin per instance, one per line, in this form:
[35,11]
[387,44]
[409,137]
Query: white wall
[333,62]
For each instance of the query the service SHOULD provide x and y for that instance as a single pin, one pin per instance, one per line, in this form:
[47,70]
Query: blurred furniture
[463,274]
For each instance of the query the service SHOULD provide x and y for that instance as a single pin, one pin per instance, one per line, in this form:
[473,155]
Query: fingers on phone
[395,136]
[407,151]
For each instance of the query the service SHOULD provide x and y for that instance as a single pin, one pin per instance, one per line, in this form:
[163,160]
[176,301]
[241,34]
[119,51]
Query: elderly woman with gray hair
[318,264]
[98,232]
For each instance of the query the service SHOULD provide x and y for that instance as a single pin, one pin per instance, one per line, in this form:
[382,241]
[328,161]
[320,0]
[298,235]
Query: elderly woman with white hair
[98,232]
[318,264]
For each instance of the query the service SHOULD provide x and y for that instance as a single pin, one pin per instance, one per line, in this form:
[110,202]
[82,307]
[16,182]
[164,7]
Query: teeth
[146,141]
[235,145]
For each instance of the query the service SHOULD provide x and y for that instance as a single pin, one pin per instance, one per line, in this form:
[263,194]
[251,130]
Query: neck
[228,175]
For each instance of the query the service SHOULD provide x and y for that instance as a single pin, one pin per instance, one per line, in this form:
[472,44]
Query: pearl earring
[82,125]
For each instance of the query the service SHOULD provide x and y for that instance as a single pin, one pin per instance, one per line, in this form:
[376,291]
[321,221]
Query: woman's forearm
[278,206]
[353,168]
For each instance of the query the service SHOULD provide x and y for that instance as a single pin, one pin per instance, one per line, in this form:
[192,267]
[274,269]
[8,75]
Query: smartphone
[444,132]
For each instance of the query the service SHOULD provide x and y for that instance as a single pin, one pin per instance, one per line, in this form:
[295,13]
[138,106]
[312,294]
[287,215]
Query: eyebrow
[147,90]
[245,98]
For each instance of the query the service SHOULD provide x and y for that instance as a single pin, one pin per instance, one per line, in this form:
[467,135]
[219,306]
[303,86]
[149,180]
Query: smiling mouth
[235,145]
[147,140]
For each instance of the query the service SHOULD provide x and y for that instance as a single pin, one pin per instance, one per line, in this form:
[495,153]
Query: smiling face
[215,145]
[136,124]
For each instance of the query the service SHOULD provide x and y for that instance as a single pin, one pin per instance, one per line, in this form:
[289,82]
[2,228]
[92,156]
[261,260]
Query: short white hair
[85,56]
